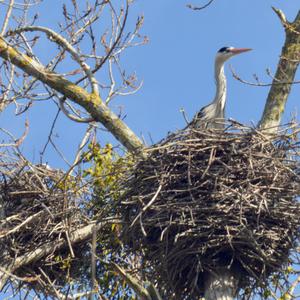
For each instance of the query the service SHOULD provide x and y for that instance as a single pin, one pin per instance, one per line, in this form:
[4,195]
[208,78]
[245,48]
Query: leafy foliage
[106,170]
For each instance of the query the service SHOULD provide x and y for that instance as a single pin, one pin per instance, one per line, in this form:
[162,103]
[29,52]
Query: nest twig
[209,199]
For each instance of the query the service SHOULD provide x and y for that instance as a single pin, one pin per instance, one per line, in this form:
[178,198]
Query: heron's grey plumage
[213,114]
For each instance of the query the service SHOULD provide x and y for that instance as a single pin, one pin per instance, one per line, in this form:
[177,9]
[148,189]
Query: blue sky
[182,48]
[176,67]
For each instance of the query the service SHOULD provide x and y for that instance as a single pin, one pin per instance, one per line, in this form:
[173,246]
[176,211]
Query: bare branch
[289,295]
[61,101]
[117,40]
[7,16]
[199,7]
[258,82]
[133,282]
[90,101]
[58,39]
[76,236]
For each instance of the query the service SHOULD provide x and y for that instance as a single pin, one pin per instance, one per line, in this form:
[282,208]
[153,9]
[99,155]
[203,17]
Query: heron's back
[209,117]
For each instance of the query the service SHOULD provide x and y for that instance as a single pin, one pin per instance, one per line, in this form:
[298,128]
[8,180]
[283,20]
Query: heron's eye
[224,50]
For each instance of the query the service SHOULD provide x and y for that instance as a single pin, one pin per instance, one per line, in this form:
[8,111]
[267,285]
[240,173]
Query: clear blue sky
[176,67]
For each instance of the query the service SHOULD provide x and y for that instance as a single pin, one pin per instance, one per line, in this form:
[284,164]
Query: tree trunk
[285,74]
[221,285]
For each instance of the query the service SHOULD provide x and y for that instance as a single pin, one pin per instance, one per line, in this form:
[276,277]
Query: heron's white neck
[220,78]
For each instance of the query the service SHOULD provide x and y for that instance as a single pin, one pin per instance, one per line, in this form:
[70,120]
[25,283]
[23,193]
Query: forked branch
[92,102]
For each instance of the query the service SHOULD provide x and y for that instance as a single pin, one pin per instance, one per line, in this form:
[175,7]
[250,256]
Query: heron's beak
[239,50]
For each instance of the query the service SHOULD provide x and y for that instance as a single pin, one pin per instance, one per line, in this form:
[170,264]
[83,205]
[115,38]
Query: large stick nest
[39,206]
[202,200]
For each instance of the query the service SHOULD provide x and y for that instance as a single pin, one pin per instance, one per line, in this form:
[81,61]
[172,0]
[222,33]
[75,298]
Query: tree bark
[285,74]
[222,285]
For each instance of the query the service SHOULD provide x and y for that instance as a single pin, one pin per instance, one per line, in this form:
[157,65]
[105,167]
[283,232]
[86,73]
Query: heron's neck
[220,78]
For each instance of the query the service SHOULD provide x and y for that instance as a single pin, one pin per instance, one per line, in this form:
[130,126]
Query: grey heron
[212,115]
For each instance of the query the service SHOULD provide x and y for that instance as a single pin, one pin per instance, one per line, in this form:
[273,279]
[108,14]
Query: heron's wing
[210,116]
[206,113]
[201,113]
[200,119]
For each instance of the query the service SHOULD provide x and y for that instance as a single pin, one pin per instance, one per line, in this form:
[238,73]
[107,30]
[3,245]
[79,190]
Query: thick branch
[286,70]
[90,101]
[76,236]
[148,293]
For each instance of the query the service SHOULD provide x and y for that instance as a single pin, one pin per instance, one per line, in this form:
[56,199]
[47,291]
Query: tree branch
[76,236]
[286,70]
[92,102]
[148,293]
[199,7]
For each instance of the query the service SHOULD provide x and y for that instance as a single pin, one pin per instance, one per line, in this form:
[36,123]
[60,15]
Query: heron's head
[227,52]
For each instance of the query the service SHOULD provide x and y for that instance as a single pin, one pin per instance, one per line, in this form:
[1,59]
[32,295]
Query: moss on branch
[90,101]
